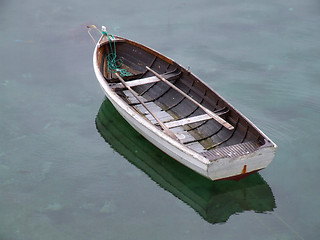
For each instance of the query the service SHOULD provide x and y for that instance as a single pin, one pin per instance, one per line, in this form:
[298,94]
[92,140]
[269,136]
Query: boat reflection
[214,201]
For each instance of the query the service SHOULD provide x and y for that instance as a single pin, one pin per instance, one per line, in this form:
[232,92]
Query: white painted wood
[138,82]
[187,155]
[188,120]
[173,148]
[233,166]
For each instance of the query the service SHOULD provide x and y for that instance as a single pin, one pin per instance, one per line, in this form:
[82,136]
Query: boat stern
[238,161]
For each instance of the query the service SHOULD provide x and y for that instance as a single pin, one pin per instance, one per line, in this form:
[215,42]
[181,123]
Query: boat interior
[188,121]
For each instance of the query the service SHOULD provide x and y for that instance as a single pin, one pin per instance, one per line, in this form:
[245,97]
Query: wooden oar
[165,129]
[207,111]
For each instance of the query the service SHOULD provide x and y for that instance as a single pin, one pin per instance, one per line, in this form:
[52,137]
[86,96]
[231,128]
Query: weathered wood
[162,115]
[138,82]
[132,99]
[196,146]
[165,129]
[183,135]
[189,96]
[188,120]
[210,113]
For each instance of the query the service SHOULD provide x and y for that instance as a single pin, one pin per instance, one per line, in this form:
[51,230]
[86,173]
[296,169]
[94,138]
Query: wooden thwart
[138,82]
[188,121]
[210,113]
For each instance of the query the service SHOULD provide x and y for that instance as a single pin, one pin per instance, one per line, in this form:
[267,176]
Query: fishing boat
[214,201]
[177,112]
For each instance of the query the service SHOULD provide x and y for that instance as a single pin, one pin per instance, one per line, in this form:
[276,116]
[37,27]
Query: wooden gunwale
[190,88]
[245,145]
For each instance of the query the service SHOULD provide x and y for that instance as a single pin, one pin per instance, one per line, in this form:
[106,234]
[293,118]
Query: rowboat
[214,201]
[178,112]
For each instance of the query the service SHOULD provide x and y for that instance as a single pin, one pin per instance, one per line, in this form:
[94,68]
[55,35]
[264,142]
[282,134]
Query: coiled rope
[114,63]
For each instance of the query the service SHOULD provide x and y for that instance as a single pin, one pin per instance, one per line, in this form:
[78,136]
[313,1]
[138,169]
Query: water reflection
[214,201]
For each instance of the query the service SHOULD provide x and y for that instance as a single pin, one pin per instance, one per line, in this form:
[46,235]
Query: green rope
[114,63]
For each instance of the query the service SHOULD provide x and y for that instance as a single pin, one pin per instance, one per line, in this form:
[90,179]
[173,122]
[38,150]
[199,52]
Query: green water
[71,168]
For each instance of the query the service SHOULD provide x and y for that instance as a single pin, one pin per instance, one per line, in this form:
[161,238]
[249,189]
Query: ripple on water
[289,107]
[281,131]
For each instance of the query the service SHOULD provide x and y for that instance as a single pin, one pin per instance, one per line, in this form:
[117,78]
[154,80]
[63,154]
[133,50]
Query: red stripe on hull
[239,177]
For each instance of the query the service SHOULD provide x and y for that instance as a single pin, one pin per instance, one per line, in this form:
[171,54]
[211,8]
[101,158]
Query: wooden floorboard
[176,126]
[132,99]
[183,135]
[196,147]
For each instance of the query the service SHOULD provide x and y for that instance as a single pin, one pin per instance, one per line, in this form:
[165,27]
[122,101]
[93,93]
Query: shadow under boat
[214,201]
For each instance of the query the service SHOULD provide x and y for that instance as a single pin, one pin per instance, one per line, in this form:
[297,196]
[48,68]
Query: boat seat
[194,119]
[166,118]
[137,82]
[189,120]
[143,81]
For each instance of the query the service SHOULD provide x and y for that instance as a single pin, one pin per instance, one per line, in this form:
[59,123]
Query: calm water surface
[71,168]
